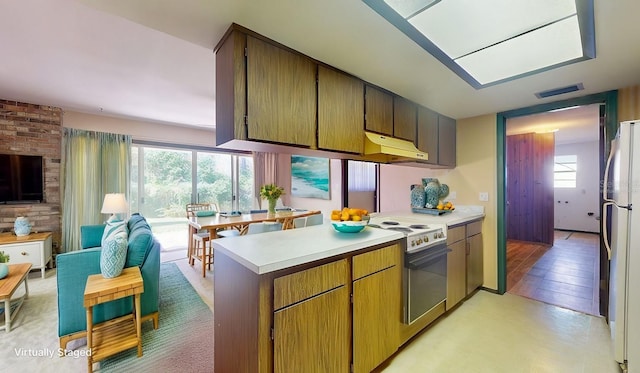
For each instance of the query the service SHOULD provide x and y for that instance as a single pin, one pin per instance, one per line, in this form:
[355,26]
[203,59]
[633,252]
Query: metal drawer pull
[24,253]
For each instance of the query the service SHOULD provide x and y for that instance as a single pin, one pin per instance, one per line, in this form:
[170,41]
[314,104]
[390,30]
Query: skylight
[492,41]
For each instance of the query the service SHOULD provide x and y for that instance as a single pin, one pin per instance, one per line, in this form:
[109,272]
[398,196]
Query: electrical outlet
[452,196]
[484,196]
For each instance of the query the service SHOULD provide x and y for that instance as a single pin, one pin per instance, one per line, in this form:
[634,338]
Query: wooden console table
[34,248]
[122,333]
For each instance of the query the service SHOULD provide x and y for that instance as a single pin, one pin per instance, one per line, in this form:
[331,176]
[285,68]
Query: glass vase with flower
[271,193]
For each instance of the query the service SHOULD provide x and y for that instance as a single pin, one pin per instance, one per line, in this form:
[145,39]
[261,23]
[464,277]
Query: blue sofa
[74,267]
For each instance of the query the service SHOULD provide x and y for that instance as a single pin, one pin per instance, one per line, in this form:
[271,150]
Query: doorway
[552,207]
[608,124]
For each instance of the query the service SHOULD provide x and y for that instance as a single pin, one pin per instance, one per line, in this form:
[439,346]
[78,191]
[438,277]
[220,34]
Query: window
[165,178]
[564,171]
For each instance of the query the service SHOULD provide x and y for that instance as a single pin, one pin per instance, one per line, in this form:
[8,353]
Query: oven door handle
[419,260]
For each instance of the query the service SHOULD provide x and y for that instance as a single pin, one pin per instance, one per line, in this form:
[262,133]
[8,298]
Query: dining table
[240,222]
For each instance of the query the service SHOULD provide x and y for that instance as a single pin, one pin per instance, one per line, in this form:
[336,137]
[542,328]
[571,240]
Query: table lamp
[114,203]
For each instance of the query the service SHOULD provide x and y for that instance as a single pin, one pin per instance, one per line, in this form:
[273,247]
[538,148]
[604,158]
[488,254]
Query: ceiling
[153,59]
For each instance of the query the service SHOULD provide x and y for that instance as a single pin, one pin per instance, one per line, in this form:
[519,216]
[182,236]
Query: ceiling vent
[560,91]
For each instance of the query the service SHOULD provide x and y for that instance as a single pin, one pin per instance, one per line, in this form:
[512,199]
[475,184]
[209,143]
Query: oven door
[425,281]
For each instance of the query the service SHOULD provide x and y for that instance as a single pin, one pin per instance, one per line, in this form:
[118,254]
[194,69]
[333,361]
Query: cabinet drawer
[455,234]
[474,228]
[305,284]
[374,261]
[23,253]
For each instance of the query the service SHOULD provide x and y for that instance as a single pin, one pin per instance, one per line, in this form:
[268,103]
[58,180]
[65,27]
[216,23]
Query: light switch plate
[484,196]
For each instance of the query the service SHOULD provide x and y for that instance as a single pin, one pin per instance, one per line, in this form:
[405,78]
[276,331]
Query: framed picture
[310,177]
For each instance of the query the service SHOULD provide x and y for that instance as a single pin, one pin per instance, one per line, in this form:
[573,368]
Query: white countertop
[272,251]
[461,214]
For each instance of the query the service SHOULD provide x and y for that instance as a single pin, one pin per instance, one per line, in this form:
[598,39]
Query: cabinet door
[404,119]
[446,141]
[456,273]
[475,273]
[428,133]
[376,318]
[313,335]
[340,111]
[379,111]
[281,95]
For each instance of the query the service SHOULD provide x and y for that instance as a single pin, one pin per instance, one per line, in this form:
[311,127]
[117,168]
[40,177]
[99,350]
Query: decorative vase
[432,192]
[272,206]
[21,226]
[4,270]
[417,196]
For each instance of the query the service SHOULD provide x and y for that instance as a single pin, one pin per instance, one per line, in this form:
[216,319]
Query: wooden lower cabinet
[376,307]
[475,272]
[303,319]
[313,335]
[456,266]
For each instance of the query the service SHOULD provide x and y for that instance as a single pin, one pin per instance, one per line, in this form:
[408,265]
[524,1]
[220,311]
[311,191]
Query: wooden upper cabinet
[231,94]
[404,119]
[446,141]
[340,111]
[281,95]
[379,111]
[428,133]
[437,137]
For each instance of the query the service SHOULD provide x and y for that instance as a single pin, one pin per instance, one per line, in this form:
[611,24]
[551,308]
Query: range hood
[386,149]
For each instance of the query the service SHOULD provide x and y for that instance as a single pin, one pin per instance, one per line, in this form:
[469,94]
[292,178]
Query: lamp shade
[114,203]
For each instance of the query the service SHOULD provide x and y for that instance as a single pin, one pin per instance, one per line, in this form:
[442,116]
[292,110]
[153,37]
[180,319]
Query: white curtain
[265,166]
[93,164]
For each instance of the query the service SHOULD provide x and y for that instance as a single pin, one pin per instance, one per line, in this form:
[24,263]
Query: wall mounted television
[21,179]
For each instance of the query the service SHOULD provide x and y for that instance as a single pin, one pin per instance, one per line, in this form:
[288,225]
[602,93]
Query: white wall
[572,205]
[140,130]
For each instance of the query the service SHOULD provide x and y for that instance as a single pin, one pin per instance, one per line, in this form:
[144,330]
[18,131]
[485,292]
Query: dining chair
[254,228]
[315,219]
[200,247]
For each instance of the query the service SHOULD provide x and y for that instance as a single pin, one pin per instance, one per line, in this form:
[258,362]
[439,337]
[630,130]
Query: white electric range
[419,236]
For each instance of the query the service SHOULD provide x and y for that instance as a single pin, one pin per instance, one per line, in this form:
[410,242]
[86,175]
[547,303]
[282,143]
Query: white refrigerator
[621,190]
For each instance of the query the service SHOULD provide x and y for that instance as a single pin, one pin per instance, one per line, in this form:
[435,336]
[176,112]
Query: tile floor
[488,333]
[565,274]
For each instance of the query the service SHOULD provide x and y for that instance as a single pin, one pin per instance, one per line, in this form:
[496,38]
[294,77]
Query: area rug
[183,341]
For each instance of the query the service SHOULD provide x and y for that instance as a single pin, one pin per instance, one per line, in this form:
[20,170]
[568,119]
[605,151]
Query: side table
[122,333]
[18,274]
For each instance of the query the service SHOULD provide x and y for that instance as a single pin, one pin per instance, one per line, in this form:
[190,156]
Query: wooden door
[314,335]
[281,95]
[404,119]
[340,112]
[530,187]
[378,111]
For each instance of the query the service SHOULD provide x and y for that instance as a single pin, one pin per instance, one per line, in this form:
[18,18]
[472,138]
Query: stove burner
[390,222]
[401,229]
[419,226]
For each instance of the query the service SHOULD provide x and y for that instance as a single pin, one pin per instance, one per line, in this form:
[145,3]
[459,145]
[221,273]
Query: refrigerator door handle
[605,186]
[605,234]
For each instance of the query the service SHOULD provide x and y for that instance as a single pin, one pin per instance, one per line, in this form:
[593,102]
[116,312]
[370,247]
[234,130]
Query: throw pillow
[113,255]
[112,228]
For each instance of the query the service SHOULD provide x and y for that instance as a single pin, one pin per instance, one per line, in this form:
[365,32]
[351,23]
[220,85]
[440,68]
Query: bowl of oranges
[349,220]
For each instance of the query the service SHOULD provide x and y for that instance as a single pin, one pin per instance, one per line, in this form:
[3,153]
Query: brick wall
[34,130]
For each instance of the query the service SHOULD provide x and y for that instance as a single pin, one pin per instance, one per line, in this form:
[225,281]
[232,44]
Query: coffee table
[8,285]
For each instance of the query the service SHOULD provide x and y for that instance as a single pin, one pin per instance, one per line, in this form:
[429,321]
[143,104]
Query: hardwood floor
[565,274]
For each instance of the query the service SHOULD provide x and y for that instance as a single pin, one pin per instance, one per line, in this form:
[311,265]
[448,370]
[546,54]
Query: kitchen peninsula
[282,300]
